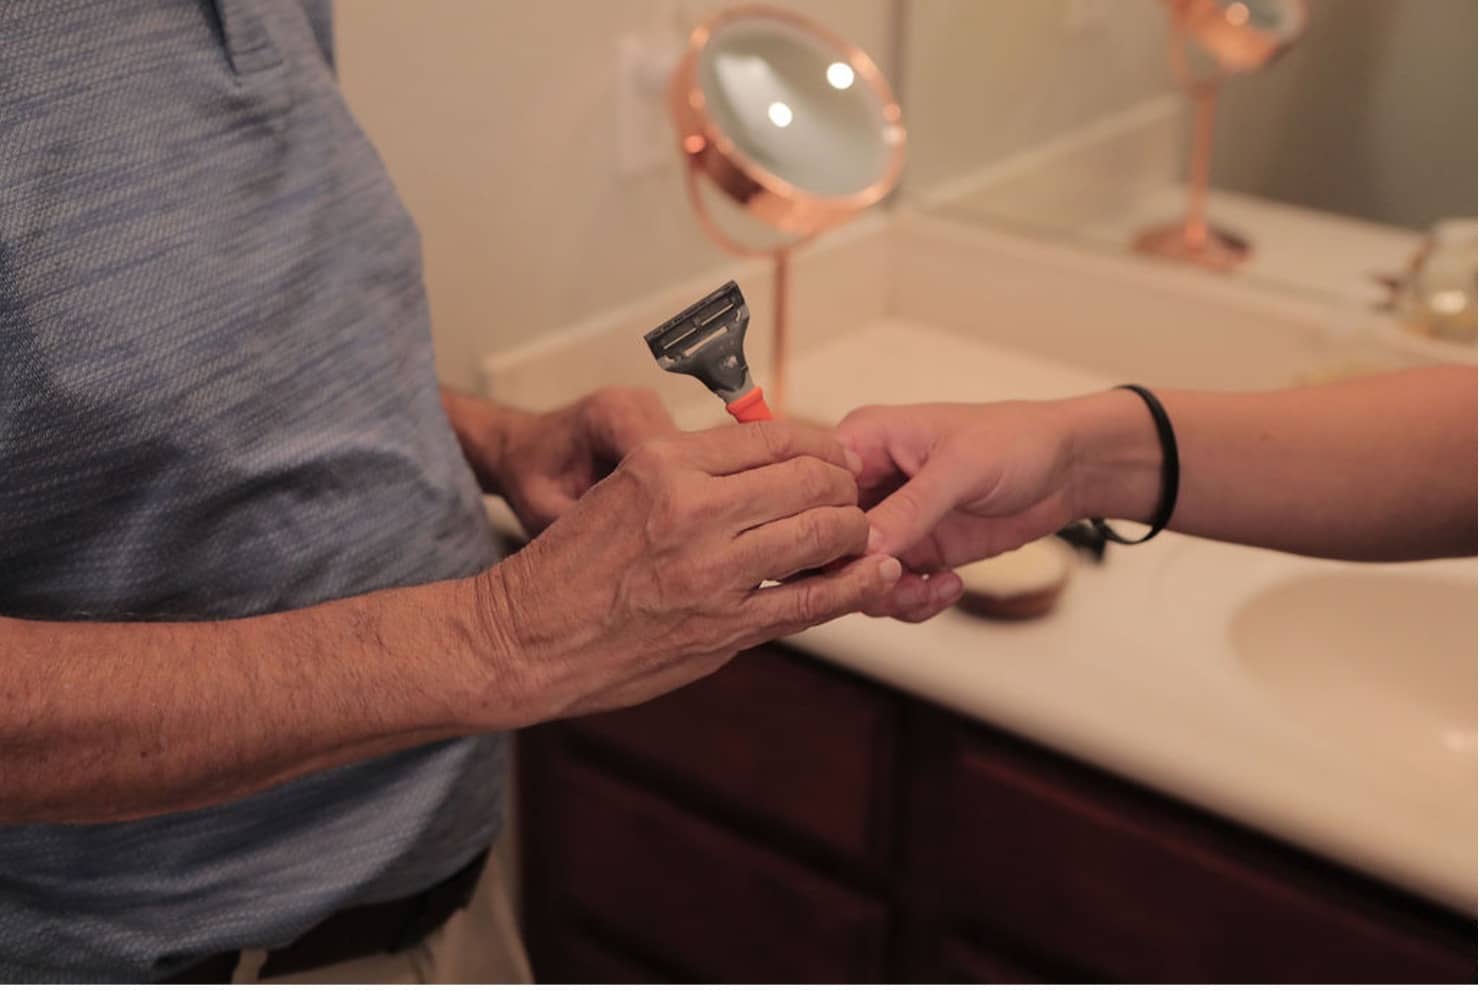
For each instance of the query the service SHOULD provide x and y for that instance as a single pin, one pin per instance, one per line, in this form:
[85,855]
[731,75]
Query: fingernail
[890,570]
[944,587]
[855,463]
[875,540]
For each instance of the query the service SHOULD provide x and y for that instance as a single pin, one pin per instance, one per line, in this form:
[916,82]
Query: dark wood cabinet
[749,739]
[670,882]
[783,821]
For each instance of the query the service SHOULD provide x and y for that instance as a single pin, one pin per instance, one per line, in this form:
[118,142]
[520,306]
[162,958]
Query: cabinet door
[683,890]
[576,956]
[776,739]
[1120,882]
[961,962]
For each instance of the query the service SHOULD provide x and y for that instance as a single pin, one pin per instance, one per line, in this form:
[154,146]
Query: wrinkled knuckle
[843,532]
[814,480]
[855,528]
[820,483]
[844,486]
[772,440]
[809,604]
[754,558]
[816,535]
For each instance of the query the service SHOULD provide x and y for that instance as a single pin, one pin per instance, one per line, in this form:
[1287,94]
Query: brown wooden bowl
[1012,608]
[993,591]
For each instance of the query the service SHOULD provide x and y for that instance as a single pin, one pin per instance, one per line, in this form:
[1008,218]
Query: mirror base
[1220,250]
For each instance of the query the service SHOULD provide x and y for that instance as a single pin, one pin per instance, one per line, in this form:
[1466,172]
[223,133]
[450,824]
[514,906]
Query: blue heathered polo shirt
[217,399]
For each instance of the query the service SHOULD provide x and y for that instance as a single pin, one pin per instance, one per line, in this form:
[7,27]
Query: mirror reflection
[1066,119]
[1239,35]
[1229,38]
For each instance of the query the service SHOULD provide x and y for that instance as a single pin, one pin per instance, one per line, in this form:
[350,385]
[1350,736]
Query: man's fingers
[909,513]
[918,597]
[732,449]
[911,592]
[776,491]
[789,608]
[810,539]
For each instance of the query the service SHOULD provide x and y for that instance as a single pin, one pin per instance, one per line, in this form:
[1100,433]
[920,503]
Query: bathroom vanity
[784,821]
[1209,763]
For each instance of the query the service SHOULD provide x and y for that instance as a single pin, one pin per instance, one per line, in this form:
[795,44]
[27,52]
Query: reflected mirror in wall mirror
[1065,120]
[792,124]
[1210,41]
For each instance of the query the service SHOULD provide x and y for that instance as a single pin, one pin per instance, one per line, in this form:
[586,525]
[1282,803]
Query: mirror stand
[1193,239]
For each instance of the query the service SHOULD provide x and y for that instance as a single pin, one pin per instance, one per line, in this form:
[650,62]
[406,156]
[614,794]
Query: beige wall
[1371,114]
[986,78]
[497,120]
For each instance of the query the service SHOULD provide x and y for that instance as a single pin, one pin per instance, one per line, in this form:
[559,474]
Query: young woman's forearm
[1380,468]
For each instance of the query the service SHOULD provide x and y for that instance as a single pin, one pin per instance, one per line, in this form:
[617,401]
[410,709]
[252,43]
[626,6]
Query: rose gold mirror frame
[711,153]
[1223,33]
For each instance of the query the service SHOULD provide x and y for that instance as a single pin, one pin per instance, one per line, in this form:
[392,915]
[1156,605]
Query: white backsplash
[838,283]
[1119,316]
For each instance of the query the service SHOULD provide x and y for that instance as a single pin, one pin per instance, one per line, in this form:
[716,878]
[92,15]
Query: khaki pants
[479,944]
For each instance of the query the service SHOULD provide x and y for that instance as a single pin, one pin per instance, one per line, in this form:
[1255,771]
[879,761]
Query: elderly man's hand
[550,460]
[543,462]
[654,578]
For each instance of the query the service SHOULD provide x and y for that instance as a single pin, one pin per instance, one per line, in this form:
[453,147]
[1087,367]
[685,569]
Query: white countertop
[1134,671]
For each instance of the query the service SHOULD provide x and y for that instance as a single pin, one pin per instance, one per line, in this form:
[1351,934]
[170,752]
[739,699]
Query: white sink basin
[1383,661]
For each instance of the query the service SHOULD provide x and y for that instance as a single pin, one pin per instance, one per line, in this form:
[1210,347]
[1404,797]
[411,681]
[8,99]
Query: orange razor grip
[750,407]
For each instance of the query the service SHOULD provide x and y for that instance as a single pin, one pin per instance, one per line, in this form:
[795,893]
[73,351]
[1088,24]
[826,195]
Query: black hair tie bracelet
[1171,472]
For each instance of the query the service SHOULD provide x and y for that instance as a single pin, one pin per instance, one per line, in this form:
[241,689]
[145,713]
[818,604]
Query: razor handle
[750,407]
[707,342]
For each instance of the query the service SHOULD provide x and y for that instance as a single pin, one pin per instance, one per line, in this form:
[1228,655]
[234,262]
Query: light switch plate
[645,139]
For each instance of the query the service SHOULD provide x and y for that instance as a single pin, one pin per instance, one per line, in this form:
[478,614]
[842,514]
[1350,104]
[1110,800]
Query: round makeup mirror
[789,120]
[793,124]
[1240,35]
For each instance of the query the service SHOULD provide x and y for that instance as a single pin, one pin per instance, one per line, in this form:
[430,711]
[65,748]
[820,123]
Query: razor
[707,341]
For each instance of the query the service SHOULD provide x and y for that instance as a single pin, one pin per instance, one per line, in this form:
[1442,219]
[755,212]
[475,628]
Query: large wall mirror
[1342,131]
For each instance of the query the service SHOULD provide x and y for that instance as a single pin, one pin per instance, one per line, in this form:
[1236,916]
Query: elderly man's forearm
[111,721]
